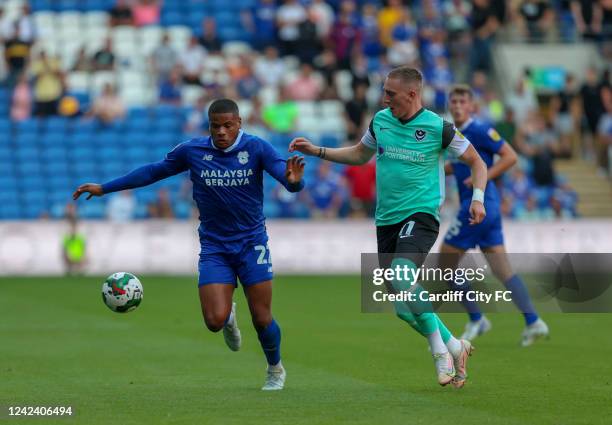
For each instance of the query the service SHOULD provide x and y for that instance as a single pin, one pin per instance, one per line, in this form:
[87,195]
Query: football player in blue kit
[488,235]
[227,169]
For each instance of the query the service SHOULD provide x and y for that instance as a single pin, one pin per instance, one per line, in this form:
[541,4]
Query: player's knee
[214,321]
[262,320]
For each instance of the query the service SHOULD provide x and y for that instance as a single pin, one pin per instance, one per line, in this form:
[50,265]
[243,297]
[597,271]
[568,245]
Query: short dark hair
[407,74]
[223,106]
[460,90]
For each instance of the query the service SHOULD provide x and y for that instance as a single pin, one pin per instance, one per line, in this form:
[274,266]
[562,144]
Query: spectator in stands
[389,16]
[355,112]
[121,14]
[522,101]
[431,26]
[371,45]
[74,249]
[537,17]
[440,78]
[323,16]
[104,59]
[247,85]
[457,15]
[254,123]
[170,89]
[507,126]
[16,54]
[82,63]
[197,120]
[146,12]
[362,188]
[327,65]
[345,38]
[21,106]
[592,109]
[164,59]
[281,116]
[209,38]
[121,207]
[539,142]
[27,26]
[288,18]
[270,69]
[403,49]
[261,23]
[485,23]
[587,18]
[562,106]
[324,194]
[359,71]
[162,207]
[307,85]
[108,107]
[6,25]
[48,85]
[192,62]
[308,43]
[604,135]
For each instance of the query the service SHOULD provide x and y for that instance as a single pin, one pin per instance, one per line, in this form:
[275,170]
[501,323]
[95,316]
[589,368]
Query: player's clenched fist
[303,145]
[477,212]
[92,188]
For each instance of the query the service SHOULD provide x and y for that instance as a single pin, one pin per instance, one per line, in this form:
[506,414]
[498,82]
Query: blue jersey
[487,142]
[227,184]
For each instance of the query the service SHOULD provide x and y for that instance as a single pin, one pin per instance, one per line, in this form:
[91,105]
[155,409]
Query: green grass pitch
[59,345]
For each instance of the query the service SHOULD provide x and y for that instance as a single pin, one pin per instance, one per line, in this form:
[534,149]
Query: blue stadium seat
[54,153]
[6,153]
[95,208]
[168,124]
[52,139]
[41,5]
[135,154]
[329,141]
[29,168]
[170,19]
[65,5]
[7,183]
[26,139]
[5,126]
[84,169]
[10,211]
[55,125]
[139,124]
[26,153]
[58,169]
[98,5]
[81,153]
[32,182]
[166,140]
[108,154]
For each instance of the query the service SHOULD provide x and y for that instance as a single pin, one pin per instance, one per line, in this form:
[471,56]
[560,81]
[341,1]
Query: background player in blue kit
[227,174]
[488,235]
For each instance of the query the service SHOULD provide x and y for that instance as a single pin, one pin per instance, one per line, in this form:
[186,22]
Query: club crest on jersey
[243,157]
[420,134]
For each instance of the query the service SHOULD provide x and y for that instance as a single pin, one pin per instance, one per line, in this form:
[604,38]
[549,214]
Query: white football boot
[445,368]
[533,332]
[231,333]
[275,378]
[477,328]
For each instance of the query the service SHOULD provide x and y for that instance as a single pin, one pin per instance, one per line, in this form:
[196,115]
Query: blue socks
[521,299]
[270,338]
[471,306]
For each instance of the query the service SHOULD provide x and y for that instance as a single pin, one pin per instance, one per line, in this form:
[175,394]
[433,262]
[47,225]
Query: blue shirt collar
[230,148]
[466,124]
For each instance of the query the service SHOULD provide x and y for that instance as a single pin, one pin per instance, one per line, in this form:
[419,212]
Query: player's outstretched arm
[357,154]
[479,180]
[93,189]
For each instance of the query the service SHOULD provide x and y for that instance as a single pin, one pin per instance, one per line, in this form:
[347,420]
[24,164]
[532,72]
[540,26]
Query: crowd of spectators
[449,40]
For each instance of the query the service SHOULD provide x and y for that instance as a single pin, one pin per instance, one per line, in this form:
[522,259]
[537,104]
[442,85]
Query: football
[122,292]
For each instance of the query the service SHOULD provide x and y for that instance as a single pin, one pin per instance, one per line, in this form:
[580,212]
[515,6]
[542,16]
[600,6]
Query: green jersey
[74,247]
[410,163]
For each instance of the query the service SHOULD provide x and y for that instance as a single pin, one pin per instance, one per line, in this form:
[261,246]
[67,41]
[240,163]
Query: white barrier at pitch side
[171,247]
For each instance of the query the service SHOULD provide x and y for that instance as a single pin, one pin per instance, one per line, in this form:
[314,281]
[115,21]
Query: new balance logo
[207,157]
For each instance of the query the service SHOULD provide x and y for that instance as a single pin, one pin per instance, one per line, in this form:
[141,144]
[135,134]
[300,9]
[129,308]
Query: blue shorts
[484,235]
[225,262]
